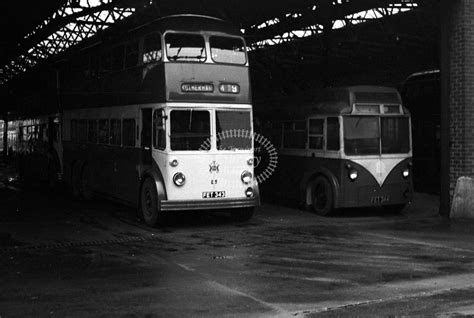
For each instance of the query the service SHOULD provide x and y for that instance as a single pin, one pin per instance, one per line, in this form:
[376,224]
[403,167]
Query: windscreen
[233,130]
[228,50]
[190,129]
[182,47]
[395,135]
[373,135]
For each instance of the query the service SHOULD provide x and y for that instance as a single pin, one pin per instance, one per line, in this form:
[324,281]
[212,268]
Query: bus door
[145,147]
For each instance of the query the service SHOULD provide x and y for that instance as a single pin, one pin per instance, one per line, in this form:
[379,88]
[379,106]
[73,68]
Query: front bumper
[206,204]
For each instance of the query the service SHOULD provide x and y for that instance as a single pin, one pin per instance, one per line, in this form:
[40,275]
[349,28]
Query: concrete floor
[64,258]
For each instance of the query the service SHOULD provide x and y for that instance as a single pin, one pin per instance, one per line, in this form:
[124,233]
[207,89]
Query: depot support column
[5,137]
[457,83]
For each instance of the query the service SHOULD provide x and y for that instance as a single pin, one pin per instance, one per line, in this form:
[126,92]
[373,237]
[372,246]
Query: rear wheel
[243,214]
[322,198]
[149,204]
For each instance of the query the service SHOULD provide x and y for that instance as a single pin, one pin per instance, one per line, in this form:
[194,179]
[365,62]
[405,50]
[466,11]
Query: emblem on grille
[214,167]
[265,155]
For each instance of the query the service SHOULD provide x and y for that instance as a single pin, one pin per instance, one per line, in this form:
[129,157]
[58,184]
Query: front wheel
[149,204]
[322,198]
[243,214]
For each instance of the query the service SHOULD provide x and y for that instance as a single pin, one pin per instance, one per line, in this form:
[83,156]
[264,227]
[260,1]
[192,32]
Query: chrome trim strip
[167,205]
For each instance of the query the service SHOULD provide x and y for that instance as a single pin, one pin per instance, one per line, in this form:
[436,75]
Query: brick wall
[461,90]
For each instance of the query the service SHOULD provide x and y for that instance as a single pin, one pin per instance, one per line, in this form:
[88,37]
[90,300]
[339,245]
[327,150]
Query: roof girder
[325,13]
[73,22]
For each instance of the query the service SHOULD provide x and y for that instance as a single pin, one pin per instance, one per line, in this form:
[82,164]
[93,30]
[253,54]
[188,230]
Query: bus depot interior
[200,141]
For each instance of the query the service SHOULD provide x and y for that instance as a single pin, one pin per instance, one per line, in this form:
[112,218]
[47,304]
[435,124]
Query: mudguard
[310,175]
[154,173]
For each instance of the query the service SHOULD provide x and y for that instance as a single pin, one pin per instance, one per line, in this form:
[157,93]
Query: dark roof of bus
[332,101]
[192,23]
[424,76]
[339,100]
[126,30]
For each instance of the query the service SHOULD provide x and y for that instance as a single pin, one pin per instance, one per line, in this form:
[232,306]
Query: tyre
[149,204]
[243,214]
[322,198]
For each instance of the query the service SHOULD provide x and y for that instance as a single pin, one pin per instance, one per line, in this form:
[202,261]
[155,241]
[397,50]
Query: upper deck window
[181,47]
[131,54]
[113,60]
[227,50]
[152,48]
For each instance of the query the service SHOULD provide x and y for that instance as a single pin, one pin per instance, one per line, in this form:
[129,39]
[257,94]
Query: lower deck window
[129,132]
[115,132]
[190,129]
[233,130]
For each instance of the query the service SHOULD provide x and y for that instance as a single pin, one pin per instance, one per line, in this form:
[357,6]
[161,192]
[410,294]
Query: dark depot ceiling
[18,18]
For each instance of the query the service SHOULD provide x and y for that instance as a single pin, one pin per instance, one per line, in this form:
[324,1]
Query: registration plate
[380,199]
[213,194]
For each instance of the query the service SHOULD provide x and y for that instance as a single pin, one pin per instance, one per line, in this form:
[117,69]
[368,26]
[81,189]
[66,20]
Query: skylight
[352,19]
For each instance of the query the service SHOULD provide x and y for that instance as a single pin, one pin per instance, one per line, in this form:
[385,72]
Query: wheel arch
[157,177]
[313,174]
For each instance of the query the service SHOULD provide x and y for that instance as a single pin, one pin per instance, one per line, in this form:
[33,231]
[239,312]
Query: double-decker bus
[36,144]
[160,117]
[343,147]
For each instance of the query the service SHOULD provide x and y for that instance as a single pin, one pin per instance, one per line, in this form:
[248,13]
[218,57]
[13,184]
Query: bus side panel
[112,170]
[126,174]
[293,174]
[71,160]
[284,182]
[101,159]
